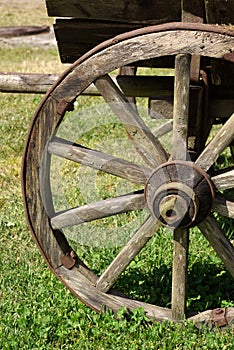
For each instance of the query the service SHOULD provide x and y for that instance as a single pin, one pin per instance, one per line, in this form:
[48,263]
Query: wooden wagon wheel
[176,191]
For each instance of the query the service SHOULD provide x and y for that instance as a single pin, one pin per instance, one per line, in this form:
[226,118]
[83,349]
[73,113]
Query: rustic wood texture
[179,273]
[221,140]
[184,41]
[28,83]
[181,107]
[75,37]
[146,86]
[213,233]
[122,11]
[163,129]
[224,206]
[13,31]
[224,181]
[145,142]
[99,160]
[98,210]
[52,243]
[179,151]
[127,254]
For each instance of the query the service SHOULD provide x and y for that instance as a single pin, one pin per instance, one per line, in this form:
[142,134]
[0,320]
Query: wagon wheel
[172,189]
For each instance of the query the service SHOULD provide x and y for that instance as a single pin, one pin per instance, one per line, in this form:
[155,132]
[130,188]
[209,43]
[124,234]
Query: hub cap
[179,194]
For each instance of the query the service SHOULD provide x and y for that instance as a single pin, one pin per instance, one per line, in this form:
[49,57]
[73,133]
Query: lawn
[36,310]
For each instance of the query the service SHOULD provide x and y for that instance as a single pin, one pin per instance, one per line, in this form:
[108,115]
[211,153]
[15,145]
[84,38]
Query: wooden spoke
[163,129]
[98,210]
[179,151]
[181,106]
[99,160]
[221,140]
[214,234]
[224,181]
[172,197]
[127,254]
[224,206]
[179,273]
[145,142]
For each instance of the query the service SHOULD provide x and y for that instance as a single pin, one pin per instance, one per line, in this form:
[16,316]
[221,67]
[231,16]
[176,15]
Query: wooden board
[137,11]
[9,32]
[75,37]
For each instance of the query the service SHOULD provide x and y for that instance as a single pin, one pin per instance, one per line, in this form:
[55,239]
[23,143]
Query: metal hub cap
[179,194]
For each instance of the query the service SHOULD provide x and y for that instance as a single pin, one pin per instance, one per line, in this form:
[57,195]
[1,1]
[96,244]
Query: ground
[11,16]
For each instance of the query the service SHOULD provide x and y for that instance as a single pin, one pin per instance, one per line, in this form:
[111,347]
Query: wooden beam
[135,11]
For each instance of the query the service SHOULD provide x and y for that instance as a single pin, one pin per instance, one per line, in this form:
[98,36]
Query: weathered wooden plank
[224,181]
[147,86]
[179,151]
[213,233]
[224,207]
[135,11]
[163,129]
[28,83]
[179,273]
[13,31]
[220,141]
[161,108]
[125,51]
[145,142]
[127,254]
[163,86]
[99,160]
[181,106]
[98,210]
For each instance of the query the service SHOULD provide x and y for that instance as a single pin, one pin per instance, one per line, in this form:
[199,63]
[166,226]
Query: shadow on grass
[209,286]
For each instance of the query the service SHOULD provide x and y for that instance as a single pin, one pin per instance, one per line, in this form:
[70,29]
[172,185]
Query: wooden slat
[181,107]
[99,160]
[179,151]
[179,273]
[98,210]
[136,11]
[144,141]
[15,31]
[213,233]
[163,129]
[28,83]
[127,254]
[155,44]
[224,207]
[147,86]
[220,141]
[224,181]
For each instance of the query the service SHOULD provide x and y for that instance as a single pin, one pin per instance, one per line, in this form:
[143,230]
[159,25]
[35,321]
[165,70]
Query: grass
[36,310]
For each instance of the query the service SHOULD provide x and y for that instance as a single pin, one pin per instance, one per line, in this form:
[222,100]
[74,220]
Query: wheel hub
[179,194]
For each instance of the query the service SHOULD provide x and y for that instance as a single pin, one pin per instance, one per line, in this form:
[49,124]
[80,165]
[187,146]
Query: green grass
[36,310]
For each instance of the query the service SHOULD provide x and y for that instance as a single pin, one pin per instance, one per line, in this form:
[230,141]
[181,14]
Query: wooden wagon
[118,48]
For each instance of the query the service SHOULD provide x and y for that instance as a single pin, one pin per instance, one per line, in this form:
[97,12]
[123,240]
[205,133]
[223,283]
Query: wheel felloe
[179,194]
